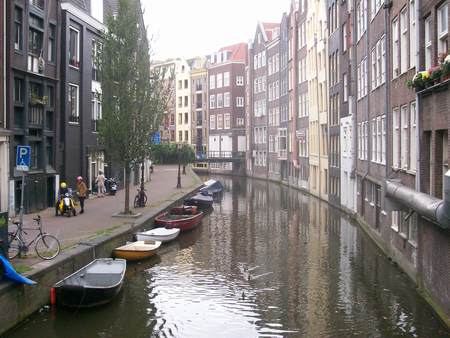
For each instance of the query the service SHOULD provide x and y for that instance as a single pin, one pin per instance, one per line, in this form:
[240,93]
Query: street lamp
[179,164]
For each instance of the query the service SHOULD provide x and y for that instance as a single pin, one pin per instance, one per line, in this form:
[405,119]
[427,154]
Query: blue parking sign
[23,158]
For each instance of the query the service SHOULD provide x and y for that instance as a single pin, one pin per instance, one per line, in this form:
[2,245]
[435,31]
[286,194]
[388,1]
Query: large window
[227,121]
[96,52]
[428,43]
[96,110]
[239,80]
[35,44]
[219,101]
[395,49]
[442,28]
[395,138]
[212,122]
[212,82]
[74,47]
[226,100]
[403,41]
[413,137]
[18,28]
[219,121]
[212,101]
[219,81]
[74,112]
[404,137]
[412,34]
[51,51]
[18,94]
[226,79]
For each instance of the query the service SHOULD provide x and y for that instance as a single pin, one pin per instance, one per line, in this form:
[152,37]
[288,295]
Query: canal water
[267,262]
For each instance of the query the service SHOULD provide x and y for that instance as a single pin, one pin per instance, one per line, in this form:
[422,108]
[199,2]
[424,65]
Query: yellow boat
[137,250]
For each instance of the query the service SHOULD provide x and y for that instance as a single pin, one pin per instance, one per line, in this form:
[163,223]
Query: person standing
[82,192]
[100,184]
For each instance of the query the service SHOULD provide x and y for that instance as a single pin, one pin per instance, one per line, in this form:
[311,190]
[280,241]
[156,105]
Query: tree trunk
[126,210]
[184,169]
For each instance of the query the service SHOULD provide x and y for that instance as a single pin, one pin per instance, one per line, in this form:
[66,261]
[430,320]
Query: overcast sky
[187,28]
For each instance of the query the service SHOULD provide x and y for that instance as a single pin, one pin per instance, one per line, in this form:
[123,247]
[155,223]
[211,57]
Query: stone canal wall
[20,301]
[431,262]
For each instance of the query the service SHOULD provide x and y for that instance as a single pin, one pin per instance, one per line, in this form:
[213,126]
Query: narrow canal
[267,262]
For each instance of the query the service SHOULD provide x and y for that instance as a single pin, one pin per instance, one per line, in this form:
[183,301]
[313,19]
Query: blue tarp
[10,273]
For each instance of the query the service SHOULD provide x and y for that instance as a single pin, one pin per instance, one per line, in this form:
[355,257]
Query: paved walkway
[97,219]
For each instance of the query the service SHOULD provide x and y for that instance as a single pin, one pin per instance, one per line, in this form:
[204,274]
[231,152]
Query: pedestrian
[82,192]
[100,184]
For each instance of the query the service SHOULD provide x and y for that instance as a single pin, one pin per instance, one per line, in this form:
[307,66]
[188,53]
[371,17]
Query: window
[219,101]
[395,49]
[219,121]
[186,118]
[18,29]
[212,122]
[383,139]
[239,101]
[226,100]
[96,50]
[96,110]
[18,94]
[413,139]
[51,53]
[362,78]
[442,28]
[180,101]
[186,84]
[212,82]
[376,5]
[212,101]
[395,215]
[345,82]
[180,136]
[186,135]
[404,137]
[379,63]
[239,121]
[186,101]
[374,140]
[428,43]
[412,34]
[180,118]
[226,79]
[227,121]
[37,3]
[361,19]
[403,41]
[74,47]
[74,113]
[35,44]
[395,138]
[219,83]
[239,80]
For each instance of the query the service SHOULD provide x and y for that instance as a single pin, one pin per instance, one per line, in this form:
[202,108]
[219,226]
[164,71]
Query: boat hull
[164,239]
[131,255]
[202,202]
[184,224]
[85,297]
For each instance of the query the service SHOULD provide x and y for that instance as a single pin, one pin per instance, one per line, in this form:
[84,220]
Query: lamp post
[179,164]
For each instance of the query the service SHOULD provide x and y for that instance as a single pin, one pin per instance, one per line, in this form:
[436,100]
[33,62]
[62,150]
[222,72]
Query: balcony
[36,115]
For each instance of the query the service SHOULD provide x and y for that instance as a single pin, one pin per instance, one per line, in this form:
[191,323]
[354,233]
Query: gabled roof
[267,29]
[238,51]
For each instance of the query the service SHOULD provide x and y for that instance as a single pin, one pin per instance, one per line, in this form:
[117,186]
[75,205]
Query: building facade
[33,99]
[226,108]
[183,102]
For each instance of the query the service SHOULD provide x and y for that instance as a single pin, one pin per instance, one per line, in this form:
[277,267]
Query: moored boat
[182,222]
[141,249]
[212,187]
[201,201]
[95,284]
[184,210]
[158,234]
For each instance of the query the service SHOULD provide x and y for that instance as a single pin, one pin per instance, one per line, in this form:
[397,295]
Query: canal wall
[20,301]
[429,270]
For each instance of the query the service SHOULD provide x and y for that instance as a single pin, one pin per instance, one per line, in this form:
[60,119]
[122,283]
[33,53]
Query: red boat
[184,210]
[183,222]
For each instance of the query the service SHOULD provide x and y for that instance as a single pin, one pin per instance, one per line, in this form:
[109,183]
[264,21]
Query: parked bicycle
[141,198]
[46,245]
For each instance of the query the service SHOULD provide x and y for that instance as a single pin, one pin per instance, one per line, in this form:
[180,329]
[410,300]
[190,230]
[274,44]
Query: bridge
[220,156]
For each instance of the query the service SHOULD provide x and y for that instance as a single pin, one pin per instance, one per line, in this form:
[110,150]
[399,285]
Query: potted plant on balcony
[420,81]
[445,65]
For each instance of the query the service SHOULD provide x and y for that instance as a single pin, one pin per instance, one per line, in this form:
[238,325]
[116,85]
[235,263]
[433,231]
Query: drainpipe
[352,98]
[435,209]
[295,106]
[387,85]
[418,157]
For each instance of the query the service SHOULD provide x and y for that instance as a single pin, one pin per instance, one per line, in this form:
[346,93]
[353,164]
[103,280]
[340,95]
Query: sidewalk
[97,219]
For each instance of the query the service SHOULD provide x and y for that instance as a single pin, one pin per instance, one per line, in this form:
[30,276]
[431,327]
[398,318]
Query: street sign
[23,158]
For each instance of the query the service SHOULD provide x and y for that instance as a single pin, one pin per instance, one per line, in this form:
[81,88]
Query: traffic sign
[23,158]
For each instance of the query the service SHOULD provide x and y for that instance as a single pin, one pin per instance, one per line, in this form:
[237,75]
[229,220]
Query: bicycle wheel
[14,245]
[47,246]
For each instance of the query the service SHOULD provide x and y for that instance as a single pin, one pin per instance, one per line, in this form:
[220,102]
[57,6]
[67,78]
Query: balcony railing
[36,115]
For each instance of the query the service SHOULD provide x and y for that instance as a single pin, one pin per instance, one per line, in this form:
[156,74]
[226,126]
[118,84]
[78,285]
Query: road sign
[156,138]
[23,158]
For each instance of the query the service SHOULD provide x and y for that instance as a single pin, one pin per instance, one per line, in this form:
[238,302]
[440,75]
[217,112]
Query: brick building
[226,109]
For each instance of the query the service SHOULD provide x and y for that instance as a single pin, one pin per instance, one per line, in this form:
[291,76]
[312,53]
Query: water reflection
[268,261]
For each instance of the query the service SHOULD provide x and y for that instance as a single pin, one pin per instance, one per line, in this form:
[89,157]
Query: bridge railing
[221,154]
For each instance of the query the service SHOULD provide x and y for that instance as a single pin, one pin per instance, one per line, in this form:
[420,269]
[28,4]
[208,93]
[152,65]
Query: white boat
[158,234]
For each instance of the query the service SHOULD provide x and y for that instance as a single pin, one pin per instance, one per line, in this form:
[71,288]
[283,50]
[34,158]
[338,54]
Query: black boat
[94,284]
[202,202]
[212,187]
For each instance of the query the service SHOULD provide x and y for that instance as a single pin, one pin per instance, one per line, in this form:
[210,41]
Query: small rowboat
[184,210]
[158,234]
[212,187]
[94,284]
[137,250]
[182,222]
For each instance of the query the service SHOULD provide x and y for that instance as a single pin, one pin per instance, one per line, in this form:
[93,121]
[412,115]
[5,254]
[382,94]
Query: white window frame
[442,28]
[428,42]
[395,48]
[212,101]
[239,80]
[413,139]
[212,82]
[77,54]
[226,99]
[404,41]
[212,122]
[77,104]
[239,101]
[412,34]
[396,137]
[219,100]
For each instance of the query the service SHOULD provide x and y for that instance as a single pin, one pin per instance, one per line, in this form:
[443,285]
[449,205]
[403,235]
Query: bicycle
[141,199]
[46,245]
